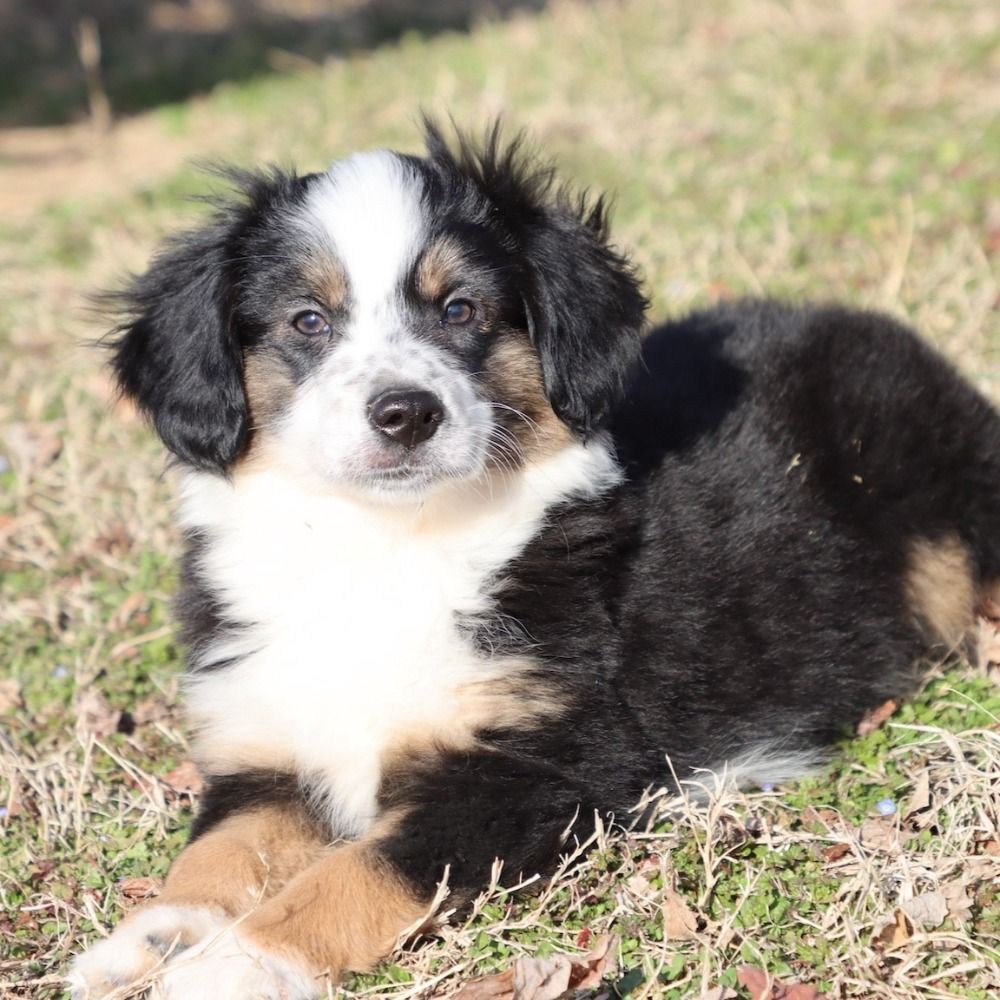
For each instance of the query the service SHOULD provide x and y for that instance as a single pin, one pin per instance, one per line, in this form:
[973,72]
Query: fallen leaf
[541,978]
[640,886]
[958,899]
[116,540]
[141,887]
[920,797]
[680,924]
[827,817]
[500,986]
[546,978]
[599,963]
[10,695]
[875,718]
[880,833]
[984,867]
[763,986]
[95,715]
[893,930]
[185,779]
[151,709]
[124,612]
[836,851]
[31,446]
[583,938]
[927,911]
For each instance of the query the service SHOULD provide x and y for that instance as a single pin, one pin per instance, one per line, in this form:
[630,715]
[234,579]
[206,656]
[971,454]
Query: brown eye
[311,323]
[458,312]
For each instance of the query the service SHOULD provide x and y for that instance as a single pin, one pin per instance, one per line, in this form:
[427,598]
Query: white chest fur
[349,616]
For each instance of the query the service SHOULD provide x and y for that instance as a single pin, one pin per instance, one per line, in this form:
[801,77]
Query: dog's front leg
[347,911]
[217,879]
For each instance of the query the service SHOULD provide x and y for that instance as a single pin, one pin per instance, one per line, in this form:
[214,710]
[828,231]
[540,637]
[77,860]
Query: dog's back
[812,507]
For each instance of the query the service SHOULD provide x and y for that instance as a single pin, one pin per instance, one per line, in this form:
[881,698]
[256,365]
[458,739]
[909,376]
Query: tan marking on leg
[344,912]
[438,269]
[248,857]
[940,588]
[514,377]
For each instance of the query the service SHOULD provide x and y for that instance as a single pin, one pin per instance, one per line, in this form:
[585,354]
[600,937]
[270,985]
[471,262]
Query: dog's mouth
[413,477]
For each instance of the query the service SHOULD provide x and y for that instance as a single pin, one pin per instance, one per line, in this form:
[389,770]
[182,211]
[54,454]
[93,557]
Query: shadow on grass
[160,51]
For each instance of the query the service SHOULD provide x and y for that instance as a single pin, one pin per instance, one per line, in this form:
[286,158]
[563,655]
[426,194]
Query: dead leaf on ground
[893,930]
[152,709]
[95,715]
[875,718]
[680,923]
[31,446]
[141,887]
[546,978]
[836,851]
[920,797]
[927,911]
[115,540]
[958,899]
[640,886]
[124,612]
[881,833]
[763,986]
[827,817]
[10,695]
[184,779]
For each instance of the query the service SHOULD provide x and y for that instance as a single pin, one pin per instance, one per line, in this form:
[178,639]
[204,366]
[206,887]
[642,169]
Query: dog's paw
[228,967]
[146,939]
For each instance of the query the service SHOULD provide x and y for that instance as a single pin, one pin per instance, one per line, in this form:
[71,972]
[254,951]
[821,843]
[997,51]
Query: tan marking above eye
[438,269]
[328,280]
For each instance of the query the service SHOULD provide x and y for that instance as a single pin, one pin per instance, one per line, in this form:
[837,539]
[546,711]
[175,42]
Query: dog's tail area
[949,497]
[918,446]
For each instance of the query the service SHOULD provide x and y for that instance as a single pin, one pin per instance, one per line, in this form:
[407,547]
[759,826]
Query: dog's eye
[458,312]
[311,323]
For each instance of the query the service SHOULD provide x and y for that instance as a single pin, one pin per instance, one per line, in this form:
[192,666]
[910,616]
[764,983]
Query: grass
[804,149]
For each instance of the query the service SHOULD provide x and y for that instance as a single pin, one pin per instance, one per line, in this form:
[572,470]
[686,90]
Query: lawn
[802,149]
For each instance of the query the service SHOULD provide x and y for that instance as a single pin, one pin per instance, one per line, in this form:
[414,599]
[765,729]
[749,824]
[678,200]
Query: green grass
[798,148]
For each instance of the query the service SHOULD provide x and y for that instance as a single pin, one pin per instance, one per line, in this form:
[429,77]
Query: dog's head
[386,326]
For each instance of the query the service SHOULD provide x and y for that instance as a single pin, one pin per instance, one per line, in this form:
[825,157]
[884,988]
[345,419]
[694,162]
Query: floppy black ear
[583,301]
[585,312]
[177,356]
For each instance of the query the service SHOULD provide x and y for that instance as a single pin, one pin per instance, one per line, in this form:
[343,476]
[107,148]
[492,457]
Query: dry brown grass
[801,148]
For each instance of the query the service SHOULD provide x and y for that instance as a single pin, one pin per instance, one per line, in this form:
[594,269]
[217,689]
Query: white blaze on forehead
[370,207]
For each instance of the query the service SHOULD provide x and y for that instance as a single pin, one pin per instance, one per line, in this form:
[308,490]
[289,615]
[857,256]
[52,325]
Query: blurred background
[799,148]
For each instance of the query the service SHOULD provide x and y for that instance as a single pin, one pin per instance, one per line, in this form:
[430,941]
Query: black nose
[408,416]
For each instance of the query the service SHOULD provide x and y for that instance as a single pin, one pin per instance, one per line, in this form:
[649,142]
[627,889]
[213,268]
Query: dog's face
[386,327]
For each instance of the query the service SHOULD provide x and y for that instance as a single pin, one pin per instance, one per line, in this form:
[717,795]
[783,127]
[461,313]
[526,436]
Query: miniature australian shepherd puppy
[468,558]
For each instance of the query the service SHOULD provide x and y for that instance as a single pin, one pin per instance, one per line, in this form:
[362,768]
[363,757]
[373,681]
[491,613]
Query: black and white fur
[720,545]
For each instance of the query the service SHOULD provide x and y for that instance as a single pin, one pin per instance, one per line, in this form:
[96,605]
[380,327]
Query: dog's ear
[583,300]
[176,354]
[585,312]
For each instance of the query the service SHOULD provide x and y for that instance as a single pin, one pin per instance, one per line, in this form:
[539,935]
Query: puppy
[468,559]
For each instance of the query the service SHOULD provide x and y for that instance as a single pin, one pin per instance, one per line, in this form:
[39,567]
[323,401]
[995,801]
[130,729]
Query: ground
[841,151]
